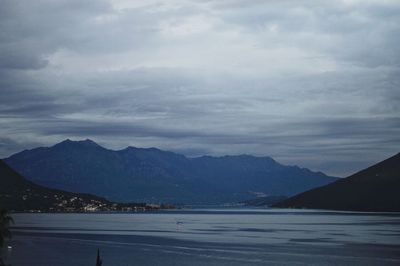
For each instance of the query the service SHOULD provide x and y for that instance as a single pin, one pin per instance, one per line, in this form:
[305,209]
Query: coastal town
[74,202]
[79,204]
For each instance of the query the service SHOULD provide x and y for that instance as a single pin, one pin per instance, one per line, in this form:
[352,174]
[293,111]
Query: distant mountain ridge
[376,188]
[153,175]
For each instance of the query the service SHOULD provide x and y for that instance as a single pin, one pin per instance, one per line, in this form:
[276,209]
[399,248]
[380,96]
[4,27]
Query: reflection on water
[209,237]
[253,226]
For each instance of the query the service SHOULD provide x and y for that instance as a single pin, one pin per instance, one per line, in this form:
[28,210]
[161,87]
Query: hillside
[264,201]
[153,175]
[19,194]
[376,188]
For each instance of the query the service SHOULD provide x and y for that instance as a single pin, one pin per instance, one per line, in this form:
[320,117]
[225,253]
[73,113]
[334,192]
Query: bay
[207,237]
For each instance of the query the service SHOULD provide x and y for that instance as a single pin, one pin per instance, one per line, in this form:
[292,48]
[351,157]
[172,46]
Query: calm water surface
[207,237]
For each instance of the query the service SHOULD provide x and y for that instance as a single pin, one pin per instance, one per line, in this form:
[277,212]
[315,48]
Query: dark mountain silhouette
[376,188]
[19,194]
[153,175]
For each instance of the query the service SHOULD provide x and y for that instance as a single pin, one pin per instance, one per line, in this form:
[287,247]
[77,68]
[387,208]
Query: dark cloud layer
[309,84]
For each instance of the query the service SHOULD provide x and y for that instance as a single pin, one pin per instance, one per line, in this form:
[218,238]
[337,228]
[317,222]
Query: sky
[309,83]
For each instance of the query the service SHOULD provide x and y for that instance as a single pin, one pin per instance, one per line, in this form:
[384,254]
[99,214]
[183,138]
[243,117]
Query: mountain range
[376,188]
[153,175]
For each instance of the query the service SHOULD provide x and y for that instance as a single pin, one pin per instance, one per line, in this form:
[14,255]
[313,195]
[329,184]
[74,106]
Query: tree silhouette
[5,234]
[5,221]
[99,262]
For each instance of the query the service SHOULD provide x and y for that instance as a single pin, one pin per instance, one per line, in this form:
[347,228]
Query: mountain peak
[86,143]
[132,148]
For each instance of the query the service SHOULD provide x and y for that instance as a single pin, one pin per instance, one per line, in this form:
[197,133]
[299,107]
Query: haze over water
[208,237]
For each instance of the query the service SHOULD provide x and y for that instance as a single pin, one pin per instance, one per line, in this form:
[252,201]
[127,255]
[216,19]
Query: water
[207,237]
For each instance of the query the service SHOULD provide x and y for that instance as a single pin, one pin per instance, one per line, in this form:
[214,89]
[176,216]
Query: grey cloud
[364,33]
[314,84]
[11,59]
[30,31]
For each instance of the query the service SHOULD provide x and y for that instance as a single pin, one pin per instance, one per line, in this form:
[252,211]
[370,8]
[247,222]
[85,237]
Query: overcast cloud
[312,83]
